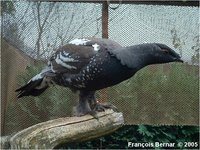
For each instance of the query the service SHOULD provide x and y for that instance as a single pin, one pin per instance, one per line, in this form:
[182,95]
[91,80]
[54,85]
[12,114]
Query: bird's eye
[165,51]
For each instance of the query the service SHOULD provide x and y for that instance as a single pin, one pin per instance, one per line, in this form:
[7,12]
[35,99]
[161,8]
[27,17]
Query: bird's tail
[37,85]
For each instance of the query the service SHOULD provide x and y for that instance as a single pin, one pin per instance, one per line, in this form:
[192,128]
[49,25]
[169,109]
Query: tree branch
[48,135]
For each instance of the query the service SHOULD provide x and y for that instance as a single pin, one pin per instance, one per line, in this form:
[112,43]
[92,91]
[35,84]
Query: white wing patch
[65,53]
[83,42]
[60,62]
[67,58]
[38,76]
[96,47]
[79,41]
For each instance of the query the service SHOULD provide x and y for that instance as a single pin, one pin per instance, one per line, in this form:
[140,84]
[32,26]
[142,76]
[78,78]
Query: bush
[141,134]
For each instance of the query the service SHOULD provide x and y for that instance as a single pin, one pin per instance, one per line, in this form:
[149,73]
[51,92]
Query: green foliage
[140,134]
[171,88]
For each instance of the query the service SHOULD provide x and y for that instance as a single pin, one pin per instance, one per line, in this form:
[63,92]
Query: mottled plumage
[90,64]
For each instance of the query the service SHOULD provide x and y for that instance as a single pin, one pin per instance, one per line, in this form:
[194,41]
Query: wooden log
[47,135]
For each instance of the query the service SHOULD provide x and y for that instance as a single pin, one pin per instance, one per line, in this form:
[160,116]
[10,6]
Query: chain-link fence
[162,94]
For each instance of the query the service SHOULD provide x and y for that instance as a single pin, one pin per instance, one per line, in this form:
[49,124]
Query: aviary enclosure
[160,103]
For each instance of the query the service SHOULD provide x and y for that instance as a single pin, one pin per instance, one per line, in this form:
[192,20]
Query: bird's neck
[135,57]
[143,58]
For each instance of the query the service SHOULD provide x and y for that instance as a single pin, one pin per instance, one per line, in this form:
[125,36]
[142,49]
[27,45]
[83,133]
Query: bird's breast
[102,71]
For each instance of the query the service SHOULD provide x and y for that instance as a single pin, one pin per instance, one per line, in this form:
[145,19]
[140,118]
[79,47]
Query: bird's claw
[81,112]
[99,107]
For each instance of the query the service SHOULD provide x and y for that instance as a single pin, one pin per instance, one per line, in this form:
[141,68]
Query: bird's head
[161,53]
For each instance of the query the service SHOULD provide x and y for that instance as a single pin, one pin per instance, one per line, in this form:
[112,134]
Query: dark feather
[29,85]
[30,89]
[82,53]
[33,92]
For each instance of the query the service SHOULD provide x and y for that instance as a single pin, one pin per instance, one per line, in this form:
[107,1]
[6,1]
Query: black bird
[90,64]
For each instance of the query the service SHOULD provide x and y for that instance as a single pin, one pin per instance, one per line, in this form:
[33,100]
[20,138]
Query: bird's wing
[72,57]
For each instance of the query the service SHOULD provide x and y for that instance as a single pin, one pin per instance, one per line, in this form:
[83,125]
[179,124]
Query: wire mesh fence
[163,94]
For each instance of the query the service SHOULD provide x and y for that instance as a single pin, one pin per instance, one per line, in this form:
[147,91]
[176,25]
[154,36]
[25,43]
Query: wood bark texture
[47,135]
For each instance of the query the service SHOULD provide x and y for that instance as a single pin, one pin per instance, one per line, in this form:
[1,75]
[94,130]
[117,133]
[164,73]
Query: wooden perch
[47,135]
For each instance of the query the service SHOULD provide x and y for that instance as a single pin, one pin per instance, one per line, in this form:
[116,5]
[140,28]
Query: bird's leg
[96,106]
[89,105]
[92,100]
[83,107]
[103,106]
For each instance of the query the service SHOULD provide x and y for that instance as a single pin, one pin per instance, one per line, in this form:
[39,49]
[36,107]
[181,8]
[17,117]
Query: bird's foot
[99,107]
[77,111]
